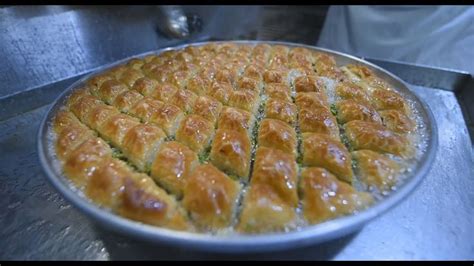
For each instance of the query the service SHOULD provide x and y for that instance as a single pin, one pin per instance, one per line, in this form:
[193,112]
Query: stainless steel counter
[435,222]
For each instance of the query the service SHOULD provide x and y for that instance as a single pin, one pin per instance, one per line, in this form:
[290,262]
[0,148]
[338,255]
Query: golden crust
[116,127]
[144,201]
[184,99]
[276,134]
[77,95]
[309,83]
[388,99]
[236,119]
[221,92]
[376,169]
[199,85]
[275,76]
[106,182]
[126,100]
[110,90]
[97,116]
[130,76]
[350,90]
[71,137]
[145,86]
[270,203]
[318,120]
[372,136]
[322,151]
[172,166]
[195,132]
[245,100]
[349,110]
[281,110]
[278,91]
[168,117]
[164,92]
[63,120]
[146,108]
[141,143]
[311,100]
[325,197]
[208,108]
[231,152]
[84,160]
[397,121]
[210,197]
[84,106]
[245,83]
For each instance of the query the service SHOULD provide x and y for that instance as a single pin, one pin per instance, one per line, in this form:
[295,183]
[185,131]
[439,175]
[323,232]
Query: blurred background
[42,44]
[44,49]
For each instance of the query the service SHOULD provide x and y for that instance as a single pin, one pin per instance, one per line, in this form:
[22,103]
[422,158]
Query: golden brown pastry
[144,201]
[106,182]
[70,137]
[376,170]
[126,100]
[97,116]
[178,139]
[281,110]
[141,143]
[200,86]
[230,152]
[221,92]
[195,132]
[63,120]
[116,127]
[275,76]
[164,92]
[130,76]
[372,136]
[276,134]
[245,83]
[311,100]
[309,83]
[351,91]
[318,120]
[83,106]
[210,197]
[397,121]
[387,99]
[349,110]
[77,95]
[270,203]
[184,99]
[81,163]
[324,197]
[245,100]
[208,108]
[236,119]
[323,151]
[278,91]
[110,90]
[168,117]
[172,166]
[145,86]
[146,108]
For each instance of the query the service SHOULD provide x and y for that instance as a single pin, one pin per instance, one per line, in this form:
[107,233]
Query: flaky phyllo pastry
[234,137]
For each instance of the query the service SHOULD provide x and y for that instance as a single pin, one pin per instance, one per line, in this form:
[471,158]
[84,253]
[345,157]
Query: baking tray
[243,243]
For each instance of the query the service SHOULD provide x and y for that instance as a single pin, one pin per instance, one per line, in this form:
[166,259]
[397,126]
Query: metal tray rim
[236,243]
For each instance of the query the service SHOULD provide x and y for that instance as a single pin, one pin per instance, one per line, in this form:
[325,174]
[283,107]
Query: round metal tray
[241,243]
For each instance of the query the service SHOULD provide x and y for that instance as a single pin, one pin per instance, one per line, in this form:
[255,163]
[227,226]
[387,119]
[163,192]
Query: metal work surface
[435,222]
